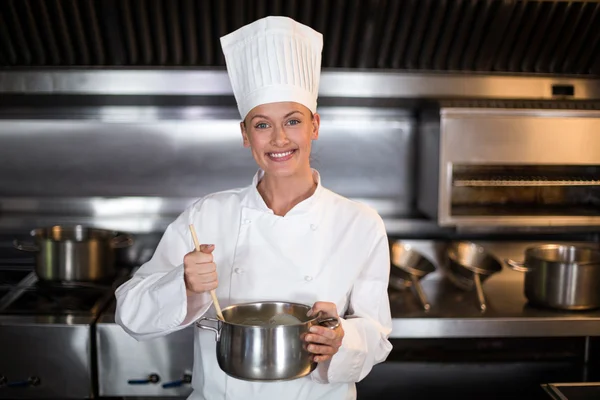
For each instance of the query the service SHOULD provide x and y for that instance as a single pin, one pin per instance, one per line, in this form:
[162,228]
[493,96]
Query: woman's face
[280,136]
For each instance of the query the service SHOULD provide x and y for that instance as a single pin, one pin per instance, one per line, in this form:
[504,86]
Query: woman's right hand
[200,272]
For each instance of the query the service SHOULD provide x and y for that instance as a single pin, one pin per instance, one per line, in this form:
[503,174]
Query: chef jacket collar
[254,200]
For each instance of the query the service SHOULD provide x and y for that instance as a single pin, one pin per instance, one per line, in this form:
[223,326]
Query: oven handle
[187,378]
[152,378]
[31,381]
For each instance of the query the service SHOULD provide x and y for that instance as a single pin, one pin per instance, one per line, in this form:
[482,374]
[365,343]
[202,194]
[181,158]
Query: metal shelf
[524,182]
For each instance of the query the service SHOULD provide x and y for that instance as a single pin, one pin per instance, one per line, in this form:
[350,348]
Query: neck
[282,194]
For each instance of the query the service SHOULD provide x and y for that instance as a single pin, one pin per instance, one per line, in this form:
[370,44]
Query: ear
[316,123]
[244,134]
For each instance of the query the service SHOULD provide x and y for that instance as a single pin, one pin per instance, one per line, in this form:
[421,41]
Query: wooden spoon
[212,292]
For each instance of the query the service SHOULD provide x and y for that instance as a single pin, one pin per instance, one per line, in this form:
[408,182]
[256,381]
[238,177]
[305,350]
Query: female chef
[284,237]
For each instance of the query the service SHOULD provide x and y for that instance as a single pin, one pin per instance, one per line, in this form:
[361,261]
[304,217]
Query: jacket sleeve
[154,302]
[368,323]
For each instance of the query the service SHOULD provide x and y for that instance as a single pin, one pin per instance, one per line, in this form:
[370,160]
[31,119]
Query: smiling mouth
[281,156]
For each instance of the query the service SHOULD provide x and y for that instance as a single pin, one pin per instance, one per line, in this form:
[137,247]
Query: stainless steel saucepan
[75,253]
[561,276]
[263,341]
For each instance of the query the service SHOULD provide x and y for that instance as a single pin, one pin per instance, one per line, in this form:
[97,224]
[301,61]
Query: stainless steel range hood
[506,36]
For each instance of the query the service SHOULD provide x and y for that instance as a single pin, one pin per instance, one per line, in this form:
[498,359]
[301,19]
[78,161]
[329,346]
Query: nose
[279,137]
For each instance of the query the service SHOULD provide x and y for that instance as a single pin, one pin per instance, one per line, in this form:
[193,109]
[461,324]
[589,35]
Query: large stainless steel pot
[469,266]
[75,254]
[408,268]
[263,351]
[561,276]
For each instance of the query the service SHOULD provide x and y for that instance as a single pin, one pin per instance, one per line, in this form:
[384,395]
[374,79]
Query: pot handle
[217,330]
[517,266]
[25,246]
[480,295]
[327,322]
[118,242]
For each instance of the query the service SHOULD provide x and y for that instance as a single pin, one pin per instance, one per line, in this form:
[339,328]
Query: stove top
[41,299]
[12,276]
[22,294]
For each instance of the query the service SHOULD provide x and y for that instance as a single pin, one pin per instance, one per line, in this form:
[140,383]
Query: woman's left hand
[322,341]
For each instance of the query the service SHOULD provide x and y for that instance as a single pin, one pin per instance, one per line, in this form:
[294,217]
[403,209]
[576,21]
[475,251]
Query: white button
[308,278]
[247,221]
[313,227]
[238,270]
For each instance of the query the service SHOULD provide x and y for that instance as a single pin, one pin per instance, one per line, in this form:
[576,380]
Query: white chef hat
[273,59]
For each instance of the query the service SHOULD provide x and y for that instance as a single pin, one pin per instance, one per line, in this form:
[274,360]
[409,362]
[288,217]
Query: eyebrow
[285,116]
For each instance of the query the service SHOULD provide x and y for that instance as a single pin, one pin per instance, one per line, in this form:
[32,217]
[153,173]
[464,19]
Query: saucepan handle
[517,266]
[121,241]
[217,330]
[480,295]
[25,246]
[328,322]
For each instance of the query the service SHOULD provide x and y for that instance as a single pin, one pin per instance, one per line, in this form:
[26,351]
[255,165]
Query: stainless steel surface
[563,277]
[358,84]
[524,183]
[475,141]
[137,176]
[508,313]
[56,357]
[125,364]
[250,348]
[408,268]
[75,253]
[148,225]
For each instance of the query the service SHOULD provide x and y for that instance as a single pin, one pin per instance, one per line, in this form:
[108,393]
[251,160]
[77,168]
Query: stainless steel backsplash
[137,170]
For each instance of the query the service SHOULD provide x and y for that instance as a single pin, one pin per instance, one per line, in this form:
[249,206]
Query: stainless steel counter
[454,313]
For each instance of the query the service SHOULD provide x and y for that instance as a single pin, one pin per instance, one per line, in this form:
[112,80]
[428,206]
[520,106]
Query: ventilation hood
[472,36]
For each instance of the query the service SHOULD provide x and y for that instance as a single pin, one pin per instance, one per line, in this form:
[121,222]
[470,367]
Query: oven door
[45,360]
[158,367]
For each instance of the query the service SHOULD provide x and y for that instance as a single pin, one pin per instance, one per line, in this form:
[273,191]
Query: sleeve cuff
[170,295]
[345,365]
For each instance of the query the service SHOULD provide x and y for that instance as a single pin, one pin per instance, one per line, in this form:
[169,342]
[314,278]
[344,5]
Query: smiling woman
[283,238]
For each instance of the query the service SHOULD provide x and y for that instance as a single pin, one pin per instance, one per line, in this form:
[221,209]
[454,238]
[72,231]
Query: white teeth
[280,155]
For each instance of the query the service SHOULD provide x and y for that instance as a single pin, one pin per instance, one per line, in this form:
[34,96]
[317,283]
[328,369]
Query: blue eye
[262,125]
[293,122]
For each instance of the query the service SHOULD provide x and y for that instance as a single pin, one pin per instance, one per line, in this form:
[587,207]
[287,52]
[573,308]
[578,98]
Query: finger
[319,339]
[327,309]
[201,258]
[322,331]
[196,257]
[204,287]
[204,268]
[205,278]
[207,248]
[321,349]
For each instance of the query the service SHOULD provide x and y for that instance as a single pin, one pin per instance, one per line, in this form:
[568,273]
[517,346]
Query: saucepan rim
[317,318]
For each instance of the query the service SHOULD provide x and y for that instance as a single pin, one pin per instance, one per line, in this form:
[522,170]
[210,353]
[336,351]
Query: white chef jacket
[327,248]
